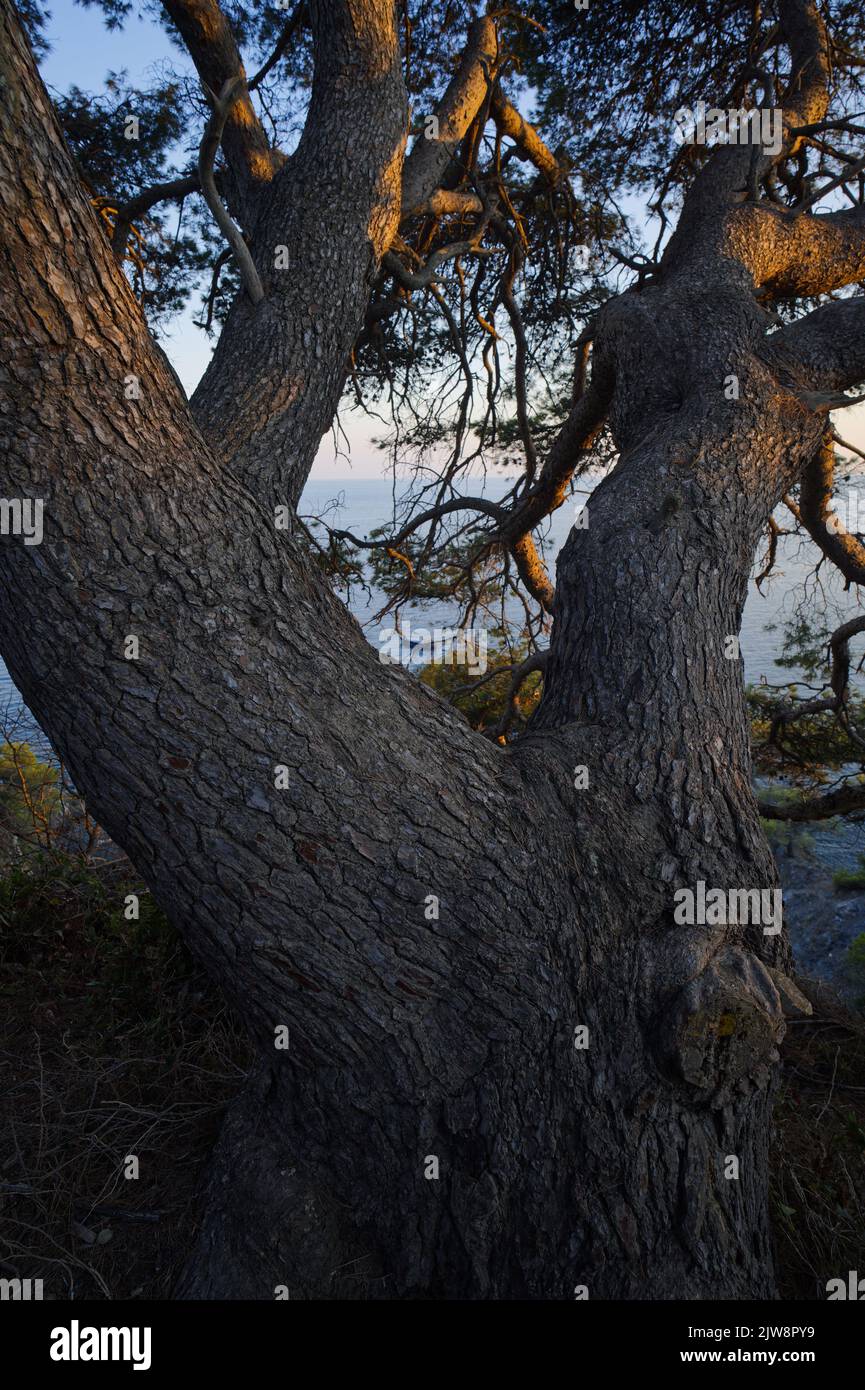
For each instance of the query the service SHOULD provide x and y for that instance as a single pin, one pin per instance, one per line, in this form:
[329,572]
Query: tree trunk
[606,1166]
[432,918]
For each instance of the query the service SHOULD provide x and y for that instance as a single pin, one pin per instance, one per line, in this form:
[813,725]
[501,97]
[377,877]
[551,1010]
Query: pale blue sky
[83,52]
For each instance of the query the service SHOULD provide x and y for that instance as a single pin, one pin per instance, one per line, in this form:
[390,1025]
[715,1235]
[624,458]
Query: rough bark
[413,1035]
[273,384]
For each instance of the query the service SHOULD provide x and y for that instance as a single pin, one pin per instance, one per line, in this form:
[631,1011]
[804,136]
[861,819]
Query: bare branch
[855,167]
[521,363]
[571,444]
[210,303]
[291,25]
[771,553]
[209,146]
[144,201]
[845,551]
[454,504]
[537,661]
[418,280]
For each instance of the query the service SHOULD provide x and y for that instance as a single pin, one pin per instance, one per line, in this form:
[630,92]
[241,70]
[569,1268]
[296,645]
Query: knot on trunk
[719,1032]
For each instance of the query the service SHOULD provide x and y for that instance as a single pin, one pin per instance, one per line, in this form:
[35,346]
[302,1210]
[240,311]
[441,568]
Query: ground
[114,1044]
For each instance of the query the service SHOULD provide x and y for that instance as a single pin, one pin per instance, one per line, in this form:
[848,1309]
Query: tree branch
[209,145]
[427,166]
[845,551]
[733,172]
[845,798]
[446,202]
[271,389]
[572,443]
[799,255]
[537,661]
[824,350]
[292,24]
[525,137]
[453,504]
[144,201]
[841,802]
[533,571]
[210,42]
[419,279]
[806,99]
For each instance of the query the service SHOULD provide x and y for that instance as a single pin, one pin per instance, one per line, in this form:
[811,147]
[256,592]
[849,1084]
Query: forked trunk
[510,1071]
[629,1161]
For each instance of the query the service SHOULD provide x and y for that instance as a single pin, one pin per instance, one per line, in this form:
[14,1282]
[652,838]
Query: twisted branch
[221,107]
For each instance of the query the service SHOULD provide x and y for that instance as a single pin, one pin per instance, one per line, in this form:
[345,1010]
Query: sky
[83,51]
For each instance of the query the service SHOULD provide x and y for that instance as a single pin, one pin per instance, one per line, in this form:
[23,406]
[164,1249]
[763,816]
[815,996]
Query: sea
[360,505]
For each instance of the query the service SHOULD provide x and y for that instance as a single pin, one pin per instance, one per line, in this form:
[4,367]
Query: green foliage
[811,747]
[619,71]
[851,879]
[389,573]
[602,85]
[172,246]
[804,645]
[30,799]
[62,909]
[95,127]
[483,704]
[34,16]
[784,836]
[338,560]
[856,958]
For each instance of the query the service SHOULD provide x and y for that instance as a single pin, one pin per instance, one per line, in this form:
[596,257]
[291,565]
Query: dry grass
[818,1154]
[112,1045]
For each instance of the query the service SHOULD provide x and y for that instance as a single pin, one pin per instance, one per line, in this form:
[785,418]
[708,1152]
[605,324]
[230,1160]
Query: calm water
[361,505]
